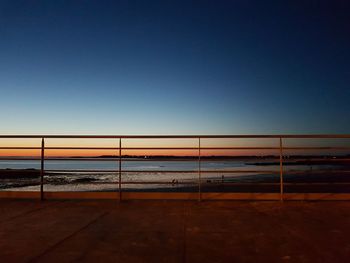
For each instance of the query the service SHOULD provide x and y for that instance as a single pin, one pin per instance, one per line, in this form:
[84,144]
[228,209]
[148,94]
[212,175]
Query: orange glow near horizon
[130,143]
[158,143]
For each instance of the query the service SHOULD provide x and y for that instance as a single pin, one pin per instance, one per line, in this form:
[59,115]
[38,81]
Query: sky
[174,67]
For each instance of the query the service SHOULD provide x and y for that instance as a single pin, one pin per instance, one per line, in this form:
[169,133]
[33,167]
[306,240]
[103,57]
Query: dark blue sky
[174,67]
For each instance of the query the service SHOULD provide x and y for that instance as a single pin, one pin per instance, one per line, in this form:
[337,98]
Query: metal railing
[199,157]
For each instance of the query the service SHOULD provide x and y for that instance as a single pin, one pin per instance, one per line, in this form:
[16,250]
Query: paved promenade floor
[174,231]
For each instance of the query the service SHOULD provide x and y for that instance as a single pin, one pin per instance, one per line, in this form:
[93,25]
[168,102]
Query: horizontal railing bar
[20,148]
[158,171]
[187,171]
[316,148]
[59,148]
[159,182]
[318,183]
[191,159]
[81,148]
[176,183]
[177,148]
[236,148]
[101,159]
[216,182]
[202,148]
[117,159]
[310,173]
[140,148]
[266,183]
[329,158]
[240,148]
[65,159]
[159,148]
[126,182]
[80,171]
[234,183]
[61,159]
[136,182]
[301,136]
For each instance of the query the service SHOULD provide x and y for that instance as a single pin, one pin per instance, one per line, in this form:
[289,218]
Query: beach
[324,176]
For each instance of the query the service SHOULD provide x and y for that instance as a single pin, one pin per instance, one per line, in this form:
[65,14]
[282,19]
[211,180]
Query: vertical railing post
[281,170]
[199,170]
[120,169]
[42,172]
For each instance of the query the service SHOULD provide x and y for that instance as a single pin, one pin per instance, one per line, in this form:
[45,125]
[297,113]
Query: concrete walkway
[174,231]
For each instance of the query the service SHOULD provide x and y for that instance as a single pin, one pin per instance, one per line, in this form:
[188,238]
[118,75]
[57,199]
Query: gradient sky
[174,67]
